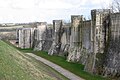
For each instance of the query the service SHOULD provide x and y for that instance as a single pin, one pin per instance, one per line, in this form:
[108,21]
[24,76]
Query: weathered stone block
[58,31]
[42,37]
[25,35]
[76,47]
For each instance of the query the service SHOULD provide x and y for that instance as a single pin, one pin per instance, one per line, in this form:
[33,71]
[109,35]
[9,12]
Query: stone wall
[39,35]
[8,33]
[98,36]
[112,61]
[25,38]
[80,39]
[93,43]
[104,58]
[98,16]
[42,37]
[86,34]
[75,38]
[65,40]
[57,34]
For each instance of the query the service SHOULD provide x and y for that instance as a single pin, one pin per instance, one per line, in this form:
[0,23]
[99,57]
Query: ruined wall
[86,34]
[53,39]
[57,34]
[105,39]
[94,43]
[42,37]
[112,61]
[8,33]
[98,17]
[75,38]
[65,40]
[99,36]
[25,38]
[39,35]
[79,39]
[49,39]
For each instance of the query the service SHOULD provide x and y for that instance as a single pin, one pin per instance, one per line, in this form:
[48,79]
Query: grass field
[14,65]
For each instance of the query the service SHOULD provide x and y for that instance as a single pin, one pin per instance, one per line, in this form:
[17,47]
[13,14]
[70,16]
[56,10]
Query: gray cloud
[45,10]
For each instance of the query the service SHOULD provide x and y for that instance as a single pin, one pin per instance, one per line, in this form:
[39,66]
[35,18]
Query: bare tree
[115,6]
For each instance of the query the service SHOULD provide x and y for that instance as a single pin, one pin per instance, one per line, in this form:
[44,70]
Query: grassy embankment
[14,65]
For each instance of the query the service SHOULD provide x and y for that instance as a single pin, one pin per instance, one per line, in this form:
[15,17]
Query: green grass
[75,68]
[28,50]
[14,65]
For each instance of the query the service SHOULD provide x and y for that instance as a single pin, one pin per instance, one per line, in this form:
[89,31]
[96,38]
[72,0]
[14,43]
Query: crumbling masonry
[94,43]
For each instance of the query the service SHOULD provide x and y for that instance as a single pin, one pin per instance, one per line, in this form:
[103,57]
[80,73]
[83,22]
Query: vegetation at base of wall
[75,68]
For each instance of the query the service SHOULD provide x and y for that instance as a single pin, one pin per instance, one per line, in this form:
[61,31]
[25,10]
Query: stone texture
[25,38]
[58,31]
[80,39]
[75,42]
[42,37]
[65,40]
[112,61]
[98,36]
[98,16]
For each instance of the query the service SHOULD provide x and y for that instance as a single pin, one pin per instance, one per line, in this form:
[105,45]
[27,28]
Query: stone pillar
[76,23]
[112,65]
[25,38]
[98,35]
[17,35]
[98,18]
[32,37]
[55,48]
[76,38]
[20,41]
[40,35]
[65,40]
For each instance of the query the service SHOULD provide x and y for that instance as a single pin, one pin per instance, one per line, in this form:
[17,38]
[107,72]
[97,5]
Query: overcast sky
[18,11]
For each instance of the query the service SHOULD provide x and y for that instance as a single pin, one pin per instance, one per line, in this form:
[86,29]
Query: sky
[22,11]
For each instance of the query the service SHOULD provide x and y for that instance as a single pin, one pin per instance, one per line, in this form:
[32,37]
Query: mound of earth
[15,65]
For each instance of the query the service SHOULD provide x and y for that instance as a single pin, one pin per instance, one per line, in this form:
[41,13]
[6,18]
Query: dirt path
[64,72]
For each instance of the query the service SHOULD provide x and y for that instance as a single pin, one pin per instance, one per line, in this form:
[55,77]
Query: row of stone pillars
[51,40]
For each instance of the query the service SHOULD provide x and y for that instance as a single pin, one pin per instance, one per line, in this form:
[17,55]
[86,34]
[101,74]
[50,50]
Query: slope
[17,66]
